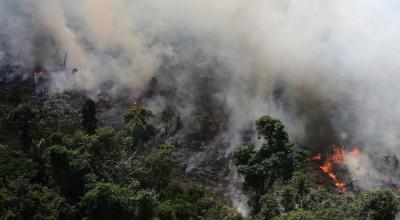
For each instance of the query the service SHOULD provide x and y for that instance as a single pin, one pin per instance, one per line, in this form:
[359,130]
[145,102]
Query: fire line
[335,160]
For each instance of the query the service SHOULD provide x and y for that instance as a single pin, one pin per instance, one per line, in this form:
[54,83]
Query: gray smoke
[327,69]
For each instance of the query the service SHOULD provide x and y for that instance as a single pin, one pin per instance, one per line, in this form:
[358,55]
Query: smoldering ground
[327,69]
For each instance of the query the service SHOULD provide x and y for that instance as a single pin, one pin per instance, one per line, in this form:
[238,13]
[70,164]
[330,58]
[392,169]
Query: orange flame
[332,176]
[356,152]
[326,167]
[336,160]
[317,157]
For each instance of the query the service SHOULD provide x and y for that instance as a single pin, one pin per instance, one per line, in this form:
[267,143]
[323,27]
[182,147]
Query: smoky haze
[327,69]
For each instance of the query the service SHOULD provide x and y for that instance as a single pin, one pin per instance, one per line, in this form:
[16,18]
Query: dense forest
[58,162]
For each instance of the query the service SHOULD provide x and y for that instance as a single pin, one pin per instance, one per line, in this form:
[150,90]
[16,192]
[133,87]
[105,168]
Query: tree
[166,211]
[77,140]
[137,127]
[23,119]
[14,165]
[110,201]
[146,202]
[301,184]
[381,204]
[326,202]
[23,200]
[269,207]
[155,168]
[58,115]
[18,95]
[152,87]
[89,120]
[68,168]
[108,158]
[288,198]
[276,159]
[191,203]
[137,113]
[7,130]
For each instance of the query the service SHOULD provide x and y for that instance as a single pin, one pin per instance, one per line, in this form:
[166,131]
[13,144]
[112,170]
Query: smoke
[327,69]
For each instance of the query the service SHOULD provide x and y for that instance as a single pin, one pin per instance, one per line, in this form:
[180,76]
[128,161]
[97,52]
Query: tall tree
[137,126]
[276,159]
[89,120]
[68,169]
[22,118]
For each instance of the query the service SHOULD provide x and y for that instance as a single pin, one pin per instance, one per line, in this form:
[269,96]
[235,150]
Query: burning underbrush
[333,169]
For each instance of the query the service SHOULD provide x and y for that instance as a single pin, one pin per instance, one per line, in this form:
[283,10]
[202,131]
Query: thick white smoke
[328,69]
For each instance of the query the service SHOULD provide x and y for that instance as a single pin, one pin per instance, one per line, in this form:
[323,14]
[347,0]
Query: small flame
[326,167]
[216,127]
[340,184]
[317,157]
[356,152]
[332,176]
[36,71]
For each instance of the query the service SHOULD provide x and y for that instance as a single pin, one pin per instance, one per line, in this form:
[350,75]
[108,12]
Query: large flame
[335,160]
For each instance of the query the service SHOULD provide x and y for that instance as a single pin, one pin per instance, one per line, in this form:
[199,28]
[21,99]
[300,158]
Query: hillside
[59,161]
[199,109]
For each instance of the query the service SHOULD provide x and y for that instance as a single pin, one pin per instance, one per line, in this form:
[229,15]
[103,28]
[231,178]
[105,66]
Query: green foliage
[137,113]
[22,200]
[68,168]
[288,198]
[219,211]
[57,114]
[155,168]
[110,159]
[110,201]
[7,135]
[89,120]
[77,140]
[381,204]
[23,119]
[137,126]
[103,148]
[333,214]
[244,153]
[301,185]
[276,159]
[191,203]
[270,207]
[299,199]
[272,130]
[166,211]
[324,203]
[17,95]
[14,164]
[298,214]
[56,139]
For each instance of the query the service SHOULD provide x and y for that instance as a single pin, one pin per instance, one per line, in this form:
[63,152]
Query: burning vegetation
[333,165]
